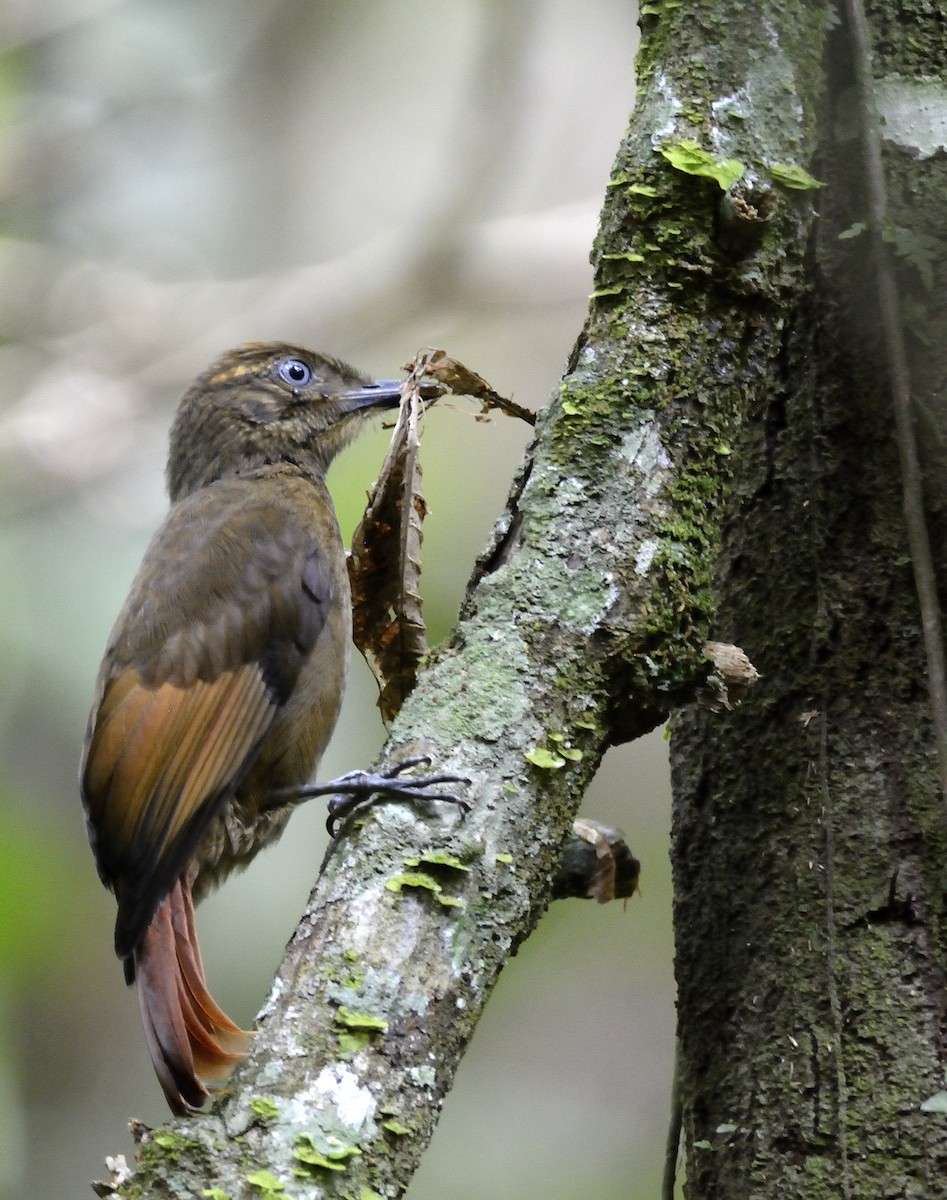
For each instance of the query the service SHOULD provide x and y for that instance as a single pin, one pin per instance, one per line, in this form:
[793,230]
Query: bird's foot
[359,788]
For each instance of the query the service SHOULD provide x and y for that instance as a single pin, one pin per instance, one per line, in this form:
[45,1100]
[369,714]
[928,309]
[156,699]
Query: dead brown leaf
[385,563]
[438,365]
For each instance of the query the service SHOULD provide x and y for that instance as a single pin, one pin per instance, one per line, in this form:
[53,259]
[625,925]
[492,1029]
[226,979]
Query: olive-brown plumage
[223,676]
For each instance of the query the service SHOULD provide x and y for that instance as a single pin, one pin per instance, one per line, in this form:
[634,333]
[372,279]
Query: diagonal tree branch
[584,625]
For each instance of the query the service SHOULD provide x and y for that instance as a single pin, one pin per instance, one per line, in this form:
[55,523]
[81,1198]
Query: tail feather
[190,1038]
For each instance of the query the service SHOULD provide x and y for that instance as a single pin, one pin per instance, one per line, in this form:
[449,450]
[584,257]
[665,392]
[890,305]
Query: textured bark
[809,829]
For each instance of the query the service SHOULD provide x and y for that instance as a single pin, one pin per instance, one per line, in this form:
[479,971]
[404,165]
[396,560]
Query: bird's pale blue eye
[294,372]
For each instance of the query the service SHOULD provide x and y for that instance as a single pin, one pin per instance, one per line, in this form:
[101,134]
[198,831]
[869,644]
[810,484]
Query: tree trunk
[809,828]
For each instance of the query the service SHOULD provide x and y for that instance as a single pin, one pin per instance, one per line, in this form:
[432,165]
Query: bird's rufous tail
[191,1039]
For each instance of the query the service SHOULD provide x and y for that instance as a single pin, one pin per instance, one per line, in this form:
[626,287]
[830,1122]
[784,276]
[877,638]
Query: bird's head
[270,403]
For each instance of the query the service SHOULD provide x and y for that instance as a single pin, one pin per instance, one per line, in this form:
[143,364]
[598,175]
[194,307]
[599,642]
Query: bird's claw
[362,788]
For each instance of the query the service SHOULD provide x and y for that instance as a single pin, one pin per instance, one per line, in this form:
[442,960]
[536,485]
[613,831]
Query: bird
[222,679]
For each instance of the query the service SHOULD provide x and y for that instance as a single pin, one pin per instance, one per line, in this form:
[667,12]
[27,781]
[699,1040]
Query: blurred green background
[180,176]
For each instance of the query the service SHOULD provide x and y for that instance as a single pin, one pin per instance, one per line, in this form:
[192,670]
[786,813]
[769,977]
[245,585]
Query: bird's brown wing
[232,594]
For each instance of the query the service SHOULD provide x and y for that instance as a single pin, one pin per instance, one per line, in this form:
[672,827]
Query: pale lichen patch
[663,107]
[643,447]
[913,113]
[645,555]
[354,1103]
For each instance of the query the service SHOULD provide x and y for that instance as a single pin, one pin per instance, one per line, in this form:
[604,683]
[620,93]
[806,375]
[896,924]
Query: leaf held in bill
[385,563]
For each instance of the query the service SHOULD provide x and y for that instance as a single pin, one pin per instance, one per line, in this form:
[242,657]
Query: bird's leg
[351,791]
